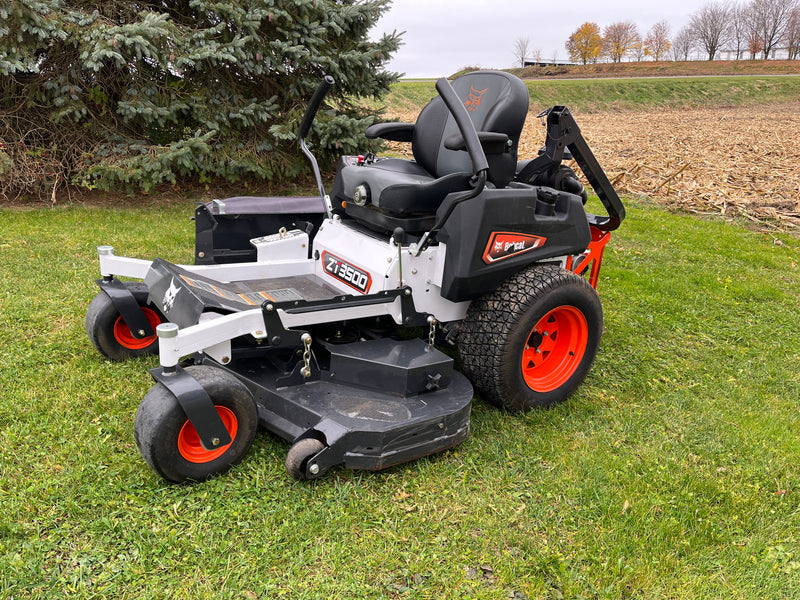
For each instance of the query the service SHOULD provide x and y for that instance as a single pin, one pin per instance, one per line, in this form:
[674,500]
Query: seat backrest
[496,101]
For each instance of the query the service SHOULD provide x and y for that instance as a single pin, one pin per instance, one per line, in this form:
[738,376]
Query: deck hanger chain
[306,370]
[432,332]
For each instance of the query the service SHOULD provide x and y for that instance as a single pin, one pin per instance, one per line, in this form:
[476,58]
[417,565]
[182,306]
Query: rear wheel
[532,341]
[109,333]
[168,441]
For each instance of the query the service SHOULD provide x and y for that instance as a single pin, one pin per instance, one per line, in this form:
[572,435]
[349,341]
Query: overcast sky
[442,36]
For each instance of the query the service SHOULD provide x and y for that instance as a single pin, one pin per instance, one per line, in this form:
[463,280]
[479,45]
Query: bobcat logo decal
[506,244]
[169,296]
[474,97]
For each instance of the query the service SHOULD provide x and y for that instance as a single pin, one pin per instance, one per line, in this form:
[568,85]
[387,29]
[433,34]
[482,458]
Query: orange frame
[592,258]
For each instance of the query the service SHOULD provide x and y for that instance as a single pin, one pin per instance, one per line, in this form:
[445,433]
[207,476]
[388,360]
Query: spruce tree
[136,93]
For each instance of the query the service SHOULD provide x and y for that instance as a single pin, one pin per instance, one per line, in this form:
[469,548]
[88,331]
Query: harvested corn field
[739,161]
[729,161]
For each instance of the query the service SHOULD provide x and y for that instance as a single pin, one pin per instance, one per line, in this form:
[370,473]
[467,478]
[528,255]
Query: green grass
[672,473]
[590,95]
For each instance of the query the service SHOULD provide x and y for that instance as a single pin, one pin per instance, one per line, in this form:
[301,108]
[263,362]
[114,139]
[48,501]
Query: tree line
[754,29]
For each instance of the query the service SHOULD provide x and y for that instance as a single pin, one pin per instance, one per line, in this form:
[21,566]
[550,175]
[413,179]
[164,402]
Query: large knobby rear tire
[109,333]
[169,442]
[531,342]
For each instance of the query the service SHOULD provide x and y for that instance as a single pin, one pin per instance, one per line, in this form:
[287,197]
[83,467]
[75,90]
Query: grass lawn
[674,472]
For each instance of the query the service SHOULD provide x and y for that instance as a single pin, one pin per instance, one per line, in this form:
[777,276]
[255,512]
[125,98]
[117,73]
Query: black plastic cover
[470,271]
[404,367]
[313,105]
[223,229]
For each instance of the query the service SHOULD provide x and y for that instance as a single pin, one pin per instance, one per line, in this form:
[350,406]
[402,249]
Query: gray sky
[442,36]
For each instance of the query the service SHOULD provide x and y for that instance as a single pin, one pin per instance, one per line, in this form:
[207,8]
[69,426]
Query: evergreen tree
[143,92]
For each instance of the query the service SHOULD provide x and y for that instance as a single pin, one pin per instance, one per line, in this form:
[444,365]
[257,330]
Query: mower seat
[388,192]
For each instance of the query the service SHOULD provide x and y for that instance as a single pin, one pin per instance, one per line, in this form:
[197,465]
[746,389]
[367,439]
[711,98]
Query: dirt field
[727,161]
[741,161]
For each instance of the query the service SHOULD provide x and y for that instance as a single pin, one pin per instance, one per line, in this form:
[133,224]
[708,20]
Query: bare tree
[620,38]
[710,26]
[792,35]
[657,43]
[521,47]
[637,51]
[682,44]
[754,44]
[768,21]
[737,32]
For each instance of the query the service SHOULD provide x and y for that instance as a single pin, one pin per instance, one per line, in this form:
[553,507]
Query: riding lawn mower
[332,322]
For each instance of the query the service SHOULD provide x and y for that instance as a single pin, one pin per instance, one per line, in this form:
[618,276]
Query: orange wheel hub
[554,349]
[123,335]
[189,442]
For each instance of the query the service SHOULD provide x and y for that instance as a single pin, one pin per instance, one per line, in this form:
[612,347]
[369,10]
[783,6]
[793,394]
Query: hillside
[643,93]
[692,68]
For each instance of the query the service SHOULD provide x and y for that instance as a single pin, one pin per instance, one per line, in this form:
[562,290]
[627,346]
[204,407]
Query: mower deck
[376,404]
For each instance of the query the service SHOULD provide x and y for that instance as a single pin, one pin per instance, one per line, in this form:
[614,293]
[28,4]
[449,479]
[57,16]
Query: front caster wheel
[298,457]
[169,442]
[532,341]
[109,333]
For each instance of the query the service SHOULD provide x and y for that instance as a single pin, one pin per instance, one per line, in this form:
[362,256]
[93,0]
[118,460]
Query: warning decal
[247,297]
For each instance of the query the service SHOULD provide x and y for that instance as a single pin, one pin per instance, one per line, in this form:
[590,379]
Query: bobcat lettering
[503,244]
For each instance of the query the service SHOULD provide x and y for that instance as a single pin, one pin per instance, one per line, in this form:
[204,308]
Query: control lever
[397,236]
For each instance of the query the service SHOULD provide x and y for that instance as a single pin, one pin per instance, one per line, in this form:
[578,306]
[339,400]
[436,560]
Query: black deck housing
[379,403]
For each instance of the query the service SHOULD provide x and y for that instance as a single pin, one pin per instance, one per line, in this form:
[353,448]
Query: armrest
[491,142]
[394,132]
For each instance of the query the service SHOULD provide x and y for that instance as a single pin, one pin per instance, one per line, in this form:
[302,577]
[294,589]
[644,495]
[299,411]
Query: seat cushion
[400,186]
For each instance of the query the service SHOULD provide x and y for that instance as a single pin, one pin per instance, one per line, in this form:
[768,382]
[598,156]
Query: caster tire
[298,456]
[532,341]
[169,443]
[111,336]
